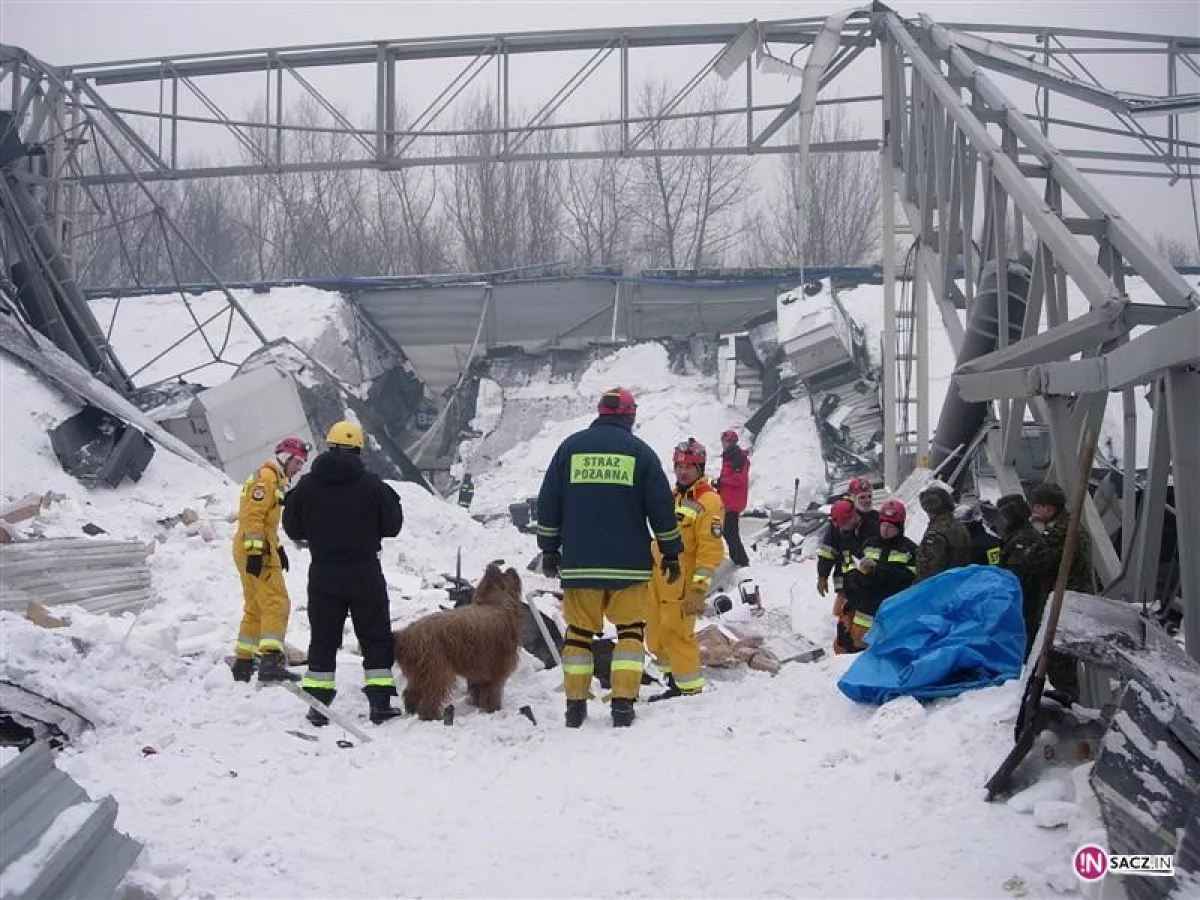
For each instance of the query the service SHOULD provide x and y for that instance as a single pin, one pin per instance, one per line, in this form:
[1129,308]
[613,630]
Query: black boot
[243,669]
[325,695]
[380,700]
[671,691]
[273,667]
[576,713]
[622,712]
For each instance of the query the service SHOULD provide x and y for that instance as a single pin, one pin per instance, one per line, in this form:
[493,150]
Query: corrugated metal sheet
[567,311]
[102,576]
[56,843]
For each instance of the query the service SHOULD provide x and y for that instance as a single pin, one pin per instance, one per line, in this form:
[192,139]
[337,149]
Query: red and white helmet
[893,512]
[292,448]
[859,485]
[690,452]
[617,401]
[842,513]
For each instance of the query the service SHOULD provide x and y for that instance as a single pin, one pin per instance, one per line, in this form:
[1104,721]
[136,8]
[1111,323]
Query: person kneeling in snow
[674,606]
[888,566]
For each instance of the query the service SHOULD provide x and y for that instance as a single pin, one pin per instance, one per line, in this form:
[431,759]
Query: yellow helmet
[345,434]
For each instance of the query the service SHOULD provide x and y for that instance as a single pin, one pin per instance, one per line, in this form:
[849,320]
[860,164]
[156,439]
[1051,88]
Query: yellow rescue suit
[265,597]
[670,630]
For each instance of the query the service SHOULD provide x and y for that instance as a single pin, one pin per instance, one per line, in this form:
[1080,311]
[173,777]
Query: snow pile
[760,786]
[143,328]
[671,408]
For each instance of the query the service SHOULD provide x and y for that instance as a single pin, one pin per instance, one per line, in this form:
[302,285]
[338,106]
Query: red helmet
[859,485]
[729,436]
[293,446]
[690,452]
[892,511]
[617,402]
[842,513]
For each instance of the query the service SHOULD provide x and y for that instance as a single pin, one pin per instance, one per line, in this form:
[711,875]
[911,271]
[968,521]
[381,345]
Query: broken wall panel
[101,576]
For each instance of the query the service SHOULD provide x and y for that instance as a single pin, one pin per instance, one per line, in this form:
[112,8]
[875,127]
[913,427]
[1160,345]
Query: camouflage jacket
[946,545]
[1049,552]
[1019,554]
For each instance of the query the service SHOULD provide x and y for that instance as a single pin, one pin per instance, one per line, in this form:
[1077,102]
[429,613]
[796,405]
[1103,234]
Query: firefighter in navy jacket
[888,565]
[601,487]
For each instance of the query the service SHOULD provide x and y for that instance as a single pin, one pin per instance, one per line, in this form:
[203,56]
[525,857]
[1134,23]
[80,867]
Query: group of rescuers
[866,555]
[600,490]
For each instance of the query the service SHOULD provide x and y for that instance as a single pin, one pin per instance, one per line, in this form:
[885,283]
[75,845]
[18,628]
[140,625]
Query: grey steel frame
[941,152]
[951,136]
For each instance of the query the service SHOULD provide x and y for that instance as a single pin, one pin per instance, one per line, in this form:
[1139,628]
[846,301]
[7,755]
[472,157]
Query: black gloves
[283,560]
[254,565]
[551,563]
[670,568]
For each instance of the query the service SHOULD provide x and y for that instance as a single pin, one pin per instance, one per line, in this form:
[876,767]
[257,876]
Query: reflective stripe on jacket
[258,510]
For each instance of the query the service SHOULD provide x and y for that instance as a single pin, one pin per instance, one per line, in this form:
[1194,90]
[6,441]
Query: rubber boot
[273,667]
[243,669]
[380,700]
[622,712]
[576,713]
[671,691]
[325,695]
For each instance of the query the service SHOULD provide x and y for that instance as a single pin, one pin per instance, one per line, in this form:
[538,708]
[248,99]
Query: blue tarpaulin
[955,632]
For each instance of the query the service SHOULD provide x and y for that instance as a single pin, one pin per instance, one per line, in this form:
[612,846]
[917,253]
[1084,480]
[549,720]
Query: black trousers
[355,588]
[733,539]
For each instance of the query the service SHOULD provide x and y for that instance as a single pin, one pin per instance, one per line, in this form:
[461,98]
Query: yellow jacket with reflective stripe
[700,514]
[259,510]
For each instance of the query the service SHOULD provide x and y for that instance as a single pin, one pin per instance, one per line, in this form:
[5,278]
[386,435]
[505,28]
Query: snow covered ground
[759,787]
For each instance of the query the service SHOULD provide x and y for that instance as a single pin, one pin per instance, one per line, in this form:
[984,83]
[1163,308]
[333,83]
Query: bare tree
[687,205]
[596,197]
[504,213]
[841,209]
[1176,251]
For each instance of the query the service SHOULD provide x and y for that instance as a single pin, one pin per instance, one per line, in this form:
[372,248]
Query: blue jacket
[601,487]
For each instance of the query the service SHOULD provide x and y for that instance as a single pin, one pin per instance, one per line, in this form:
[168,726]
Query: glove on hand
[283,560]
[693,602]
[822,586]
[551,563]
[839,603]
[254,565]
[670,568]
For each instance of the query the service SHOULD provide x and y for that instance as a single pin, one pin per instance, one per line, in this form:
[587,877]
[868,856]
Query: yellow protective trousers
[585,610]
[671,638]
[265,607]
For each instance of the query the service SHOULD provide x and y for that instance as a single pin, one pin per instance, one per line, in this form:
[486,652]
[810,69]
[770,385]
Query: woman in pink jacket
[734,485]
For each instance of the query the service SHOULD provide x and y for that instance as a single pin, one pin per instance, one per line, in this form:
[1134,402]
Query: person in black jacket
[601,487]
[342,511]
[888,566]
[985,546]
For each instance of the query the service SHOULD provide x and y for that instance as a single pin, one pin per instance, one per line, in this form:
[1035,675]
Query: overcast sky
[78,31]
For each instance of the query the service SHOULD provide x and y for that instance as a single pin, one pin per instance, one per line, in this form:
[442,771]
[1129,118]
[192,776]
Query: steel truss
[966,165]
[965,162]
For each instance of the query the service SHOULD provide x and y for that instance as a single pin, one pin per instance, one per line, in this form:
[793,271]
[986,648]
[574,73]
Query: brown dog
[479,641]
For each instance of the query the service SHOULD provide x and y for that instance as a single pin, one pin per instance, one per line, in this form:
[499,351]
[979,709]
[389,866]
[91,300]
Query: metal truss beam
[980,182]
[982,185]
